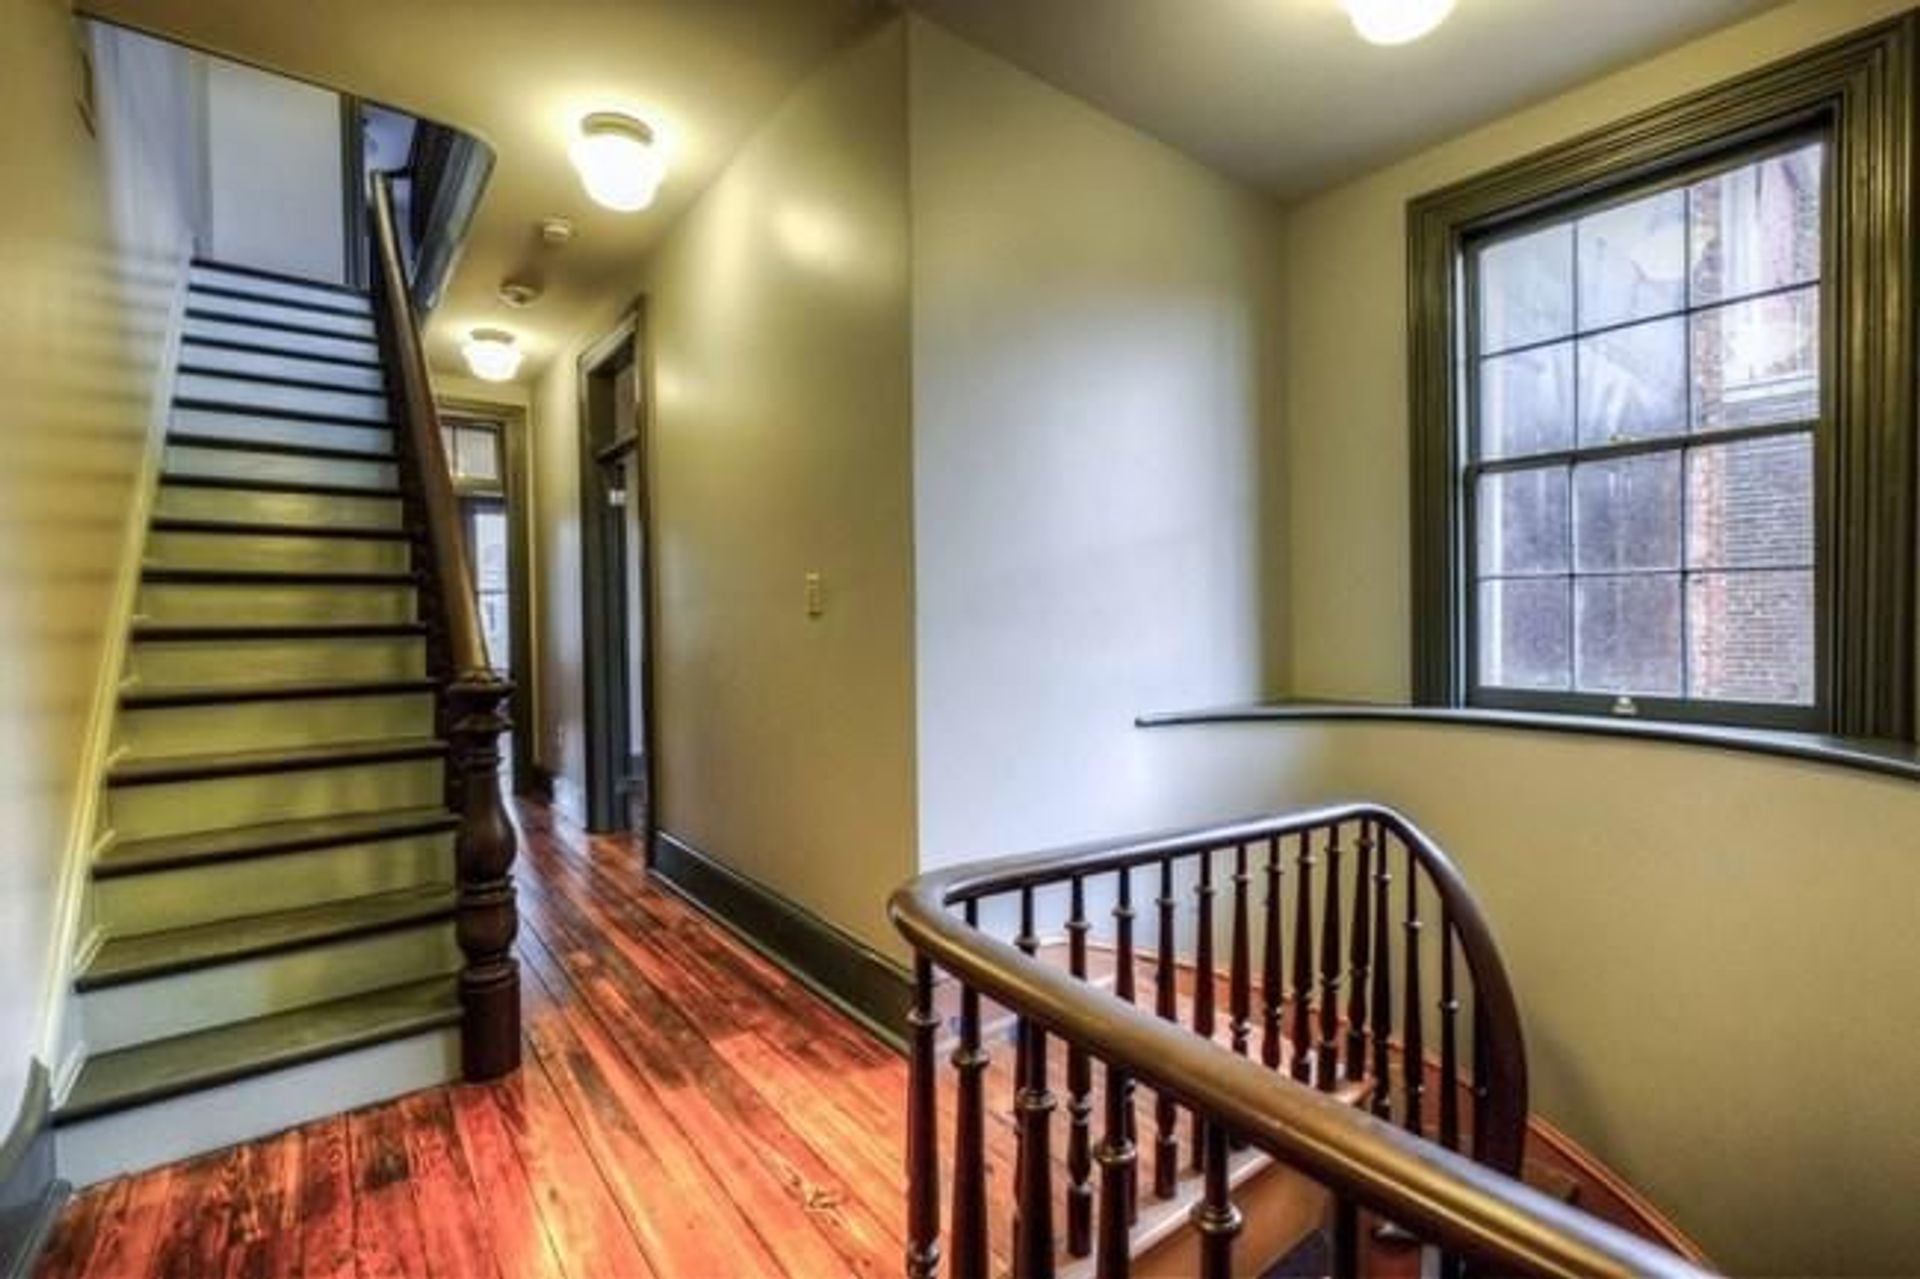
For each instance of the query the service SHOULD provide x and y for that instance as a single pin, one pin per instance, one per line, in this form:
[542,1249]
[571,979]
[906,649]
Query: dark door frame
[621,353]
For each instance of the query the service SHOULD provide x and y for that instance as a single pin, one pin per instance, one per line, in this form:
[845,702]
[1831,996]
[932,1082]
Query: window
[1661,400]
[1644,397]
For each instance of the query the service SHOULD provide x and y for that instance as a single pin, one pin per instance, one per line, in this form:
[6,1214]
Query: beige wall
[1712,950]
[1095,340]
[777,317]
[274,181]
[92,242]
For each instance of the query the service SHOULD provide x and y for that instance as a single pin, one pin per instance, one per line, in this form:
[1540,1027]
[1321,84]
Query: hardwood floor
[686,1109]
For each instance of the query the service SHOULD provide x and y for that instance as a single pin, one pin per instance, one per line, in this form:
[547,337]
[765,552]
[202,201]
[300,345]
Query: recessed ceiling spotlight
[492,355]
[619,161]
[1396,21]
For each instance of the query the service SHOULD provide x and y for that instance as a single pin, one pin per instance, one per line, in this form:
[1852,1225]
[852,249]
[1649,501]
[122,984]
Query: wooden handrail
[1440,1196]
[472,696]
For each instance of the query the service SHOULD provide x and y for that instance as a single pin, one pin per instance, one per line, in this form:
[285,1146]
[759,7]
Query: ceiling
[519,74]
[1279,93]
[1282,94]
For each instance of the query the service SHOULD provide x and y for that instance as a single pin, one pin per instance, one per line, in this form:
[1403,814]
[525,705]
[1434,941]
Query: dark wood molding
[1861,91]
[30,1190]
[859,980]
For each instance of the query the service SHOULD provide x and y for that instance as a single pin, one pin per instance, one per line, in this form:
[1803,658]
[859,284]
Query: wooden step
[176,852]
[210,1058]
[270,312]
[213,293]
[243,391]
[189,768]
[253,484]
[252,281]
[200,404]
[196,633]
[141,958]
[278,448]
[165,574]
[287,691]
[245,335]
[269,528]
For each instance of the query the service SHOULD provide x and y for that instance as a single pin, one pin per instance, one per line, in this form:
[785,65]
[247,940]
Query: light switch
[816,595]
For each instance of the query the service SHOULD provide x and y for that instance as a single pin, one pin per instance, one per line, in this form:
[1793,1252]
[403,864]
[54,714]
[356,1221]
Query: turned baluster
[485,919]
[1303,962]
[1360,957]
[969,1244]
[1382,1104]
[1203,1015]
[1412,1041]
[1033,1104]
[1272,997]
[923,1155]
[1449,1040]
[1119,1081]
[1079,1093]
[1166,1143]
[1240,989]
[1327,1068]
[1119,1192]
[1216,1218]
[1482,1059]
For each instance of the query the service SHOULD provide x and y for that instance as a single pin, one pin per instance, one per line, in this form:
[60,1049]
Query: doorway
[616,586]
[485,451]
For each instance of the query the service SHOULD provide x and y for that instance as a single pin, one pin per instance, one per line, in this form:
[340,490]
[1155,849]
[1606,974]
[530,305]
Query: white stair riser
[216,891]
[345,348]
[267,288]
[282,430]
[347,405]
[142,1012]
[245,604]
[272,661]
[243,309]
[171,731]
[162,1132]
[239,464]
[263,551]
[249,506]
[350,377]
[179,808]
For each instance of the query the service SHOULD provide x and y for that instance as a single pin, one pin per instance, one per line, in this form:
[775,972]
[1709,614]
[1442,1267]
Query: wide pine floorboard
[686,1109]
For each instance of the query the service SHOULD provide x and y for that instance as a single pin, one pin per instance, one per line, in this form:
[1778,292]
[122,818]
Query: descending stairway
[271,904]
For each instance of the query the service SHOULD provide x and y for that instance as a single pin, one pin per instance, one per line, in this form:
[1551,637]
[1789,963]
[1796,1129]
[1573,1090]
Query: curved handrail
[1441,1196]
[466,643]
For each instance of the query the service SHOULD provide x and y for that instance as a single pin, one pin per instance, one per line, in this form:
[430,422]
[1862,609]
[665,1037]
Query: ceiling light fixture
[492,355]
[1396,21]
[619,161]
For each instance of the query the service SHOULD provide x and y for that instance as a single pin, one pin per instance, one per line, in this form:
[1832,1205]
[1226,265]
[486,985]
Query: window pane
[479,454]
[1750,637]
[1758,227]
[1629,634]
[1627,514]
[1526,289]
[1633,383]
[1523,522]
[1757,362]
[1750,504]
[1633,260]
[1524,629]
[1526,402]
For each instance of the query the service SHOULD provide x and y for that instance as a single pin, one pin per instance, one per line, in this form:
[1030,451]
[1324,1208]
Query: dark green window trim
[1860,91]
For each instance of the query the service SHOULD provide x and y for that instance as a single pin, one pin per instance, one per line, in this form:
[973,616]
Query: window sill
[1889,759]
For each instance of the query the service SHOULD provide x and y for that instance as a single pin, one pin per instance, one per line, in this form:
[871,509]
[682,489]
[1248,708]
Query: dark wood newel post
[484,848]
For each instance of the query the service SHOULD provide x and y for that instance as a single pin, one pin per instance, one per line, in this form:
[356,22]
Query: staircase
[270,926]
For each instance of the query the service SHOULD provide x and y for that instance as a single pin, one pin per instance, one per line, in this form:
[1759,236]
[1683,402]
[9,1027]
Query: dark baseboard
[30,1192]
[857,979]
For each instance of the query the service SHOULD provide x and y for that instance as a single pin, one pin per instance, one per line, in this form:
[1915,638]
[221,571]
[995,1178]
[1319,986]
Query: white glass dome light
[492,355]
[619,160]
[1396,21]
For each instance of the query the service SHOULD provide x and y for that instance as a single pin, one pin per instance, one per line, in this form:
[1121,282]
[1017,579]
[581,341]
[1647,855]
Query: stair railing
[1377,1050]
[472,696]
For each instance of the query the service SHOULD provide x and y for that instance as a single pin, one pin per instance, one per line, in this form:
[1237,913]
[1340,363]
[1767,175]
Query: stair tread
[217,293]
[277,448]
[260,484]
[171,852]
[148,697]
[277,277]
[191,632]
[170,1067]
[136,770]
[145,956]
[161,572]
[267,528]
[238,408]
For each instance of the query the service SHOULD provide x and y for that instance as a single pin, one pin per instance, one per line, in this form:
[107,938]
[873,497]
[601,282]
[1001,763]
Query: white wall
[777,324]
[275,193]
[1095,344]
[92,247]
